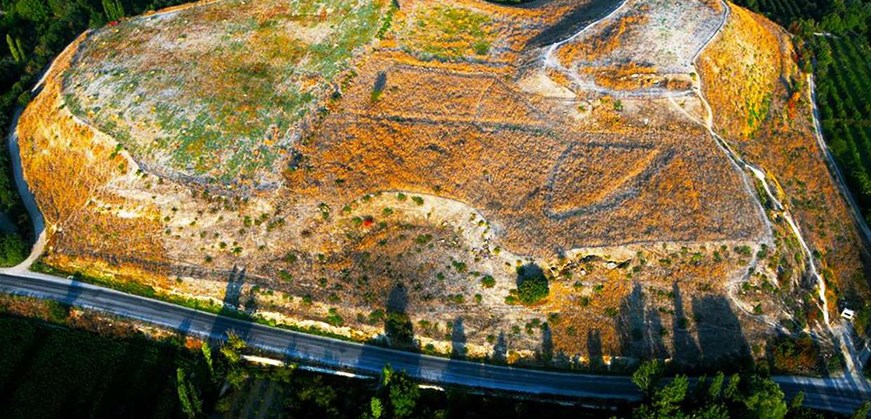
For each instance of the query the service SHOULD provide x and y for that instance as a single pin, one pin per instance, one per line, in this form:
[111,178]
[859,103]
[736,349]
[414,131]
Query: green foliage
[399,330]
[647,376]
[334,319]
[14,48]
[764,399]
[13,249]
[667,399]
[50,371]
[755,396]
[206,349]
[188,397]
[532,285]
[488,281]
[399,393]
[448,33]
[375,408]
[233,347]
[863,411]
[113,9]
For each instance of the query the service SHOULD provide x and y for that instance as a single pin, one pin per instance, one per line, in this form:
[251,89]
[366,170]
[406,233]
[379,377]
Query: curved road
[838,395]
[841,395]
[328,352]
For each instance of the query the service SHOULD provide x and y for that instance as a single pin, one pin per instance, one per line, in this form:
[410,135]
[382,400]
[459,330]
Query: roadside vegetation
[749,394]
[64,361]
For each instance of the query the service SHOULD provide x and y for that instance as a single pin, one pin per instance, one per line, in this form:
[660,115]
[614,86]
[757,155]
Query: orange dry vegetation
[605,312]
[603,45]
[473,138]
[784,142]
[539,176]
[67,165]
[741,67]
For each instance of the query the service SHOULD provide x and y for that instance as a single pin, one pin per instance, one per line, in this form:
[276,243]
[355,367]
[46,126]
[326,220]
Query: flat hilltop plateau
[580,183]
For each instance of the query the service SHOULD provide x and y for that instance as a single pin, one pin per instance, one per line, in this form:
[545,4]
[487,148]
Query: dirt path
[549,61]
[759,174]
[855,360]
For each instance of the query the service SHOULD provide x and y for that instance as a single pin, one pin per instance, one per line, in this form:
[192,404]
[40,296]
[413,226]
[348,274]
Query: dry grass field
[345,166]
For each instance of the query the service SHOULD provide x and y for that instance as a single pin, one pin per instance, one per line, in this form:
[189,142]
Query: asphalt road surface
[839,395]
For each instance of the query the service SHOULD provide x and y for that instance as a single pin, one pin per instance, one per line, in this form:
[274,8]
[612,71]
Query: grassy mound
[218,91]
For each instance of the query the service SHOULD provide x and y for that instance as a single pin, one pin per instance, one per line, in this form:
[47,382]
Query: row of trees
[748,395]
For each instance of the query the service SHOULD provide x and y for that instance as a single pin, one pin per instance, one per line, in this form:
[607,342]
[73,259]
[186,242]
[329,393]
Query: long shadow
[398,329]
[500,349]
[398,334]
[721,341]
[458,339]
[640,328]
[73,291]
[545,352]
[232,308]
[594,349]
[572,22]
[686,351]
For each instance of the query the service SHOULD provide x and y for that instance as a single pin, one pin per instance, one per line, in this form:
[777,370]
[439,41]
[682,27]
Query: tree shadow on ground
[722,344]
[639,328]
[458,339]
[231,308]
[545,352]
[398,329]
[594,349]
[686,352]
[500,349]
[398,334]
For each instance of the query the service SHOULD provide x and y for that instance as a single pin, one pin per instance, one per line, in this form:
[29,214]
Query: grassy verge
[147,291]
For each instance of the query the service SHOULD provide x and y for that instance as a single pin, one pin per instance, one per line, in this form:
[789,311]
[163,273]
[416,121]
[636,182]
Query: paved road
[330,352]
[839,395]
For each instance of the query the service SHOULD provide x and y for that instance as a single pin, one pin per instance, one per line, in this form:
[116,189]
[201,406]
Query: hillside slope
[368,169]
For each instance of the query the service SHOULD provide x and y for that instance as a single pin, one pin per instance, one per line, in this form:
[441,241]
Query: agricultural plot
[787,11]
[846,112]
[217,93]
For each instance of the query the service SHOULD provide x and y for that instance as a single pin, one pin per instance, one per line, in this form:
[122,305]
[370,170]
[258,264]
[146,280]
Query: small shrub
[532,285]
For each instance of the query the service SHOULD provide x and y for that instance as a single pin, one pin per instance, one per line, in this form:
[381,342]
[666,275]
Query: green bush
[13,249]
[532,285]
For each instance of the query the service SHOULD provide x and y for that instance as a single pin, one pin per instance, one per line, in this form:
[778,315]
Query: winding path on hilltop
[854,359]
[841,395]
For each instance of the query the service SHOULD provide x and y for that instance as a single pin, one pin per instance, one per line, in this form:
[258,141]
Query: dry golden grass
[67,165]
[757,56]
[741,69]
[503,177]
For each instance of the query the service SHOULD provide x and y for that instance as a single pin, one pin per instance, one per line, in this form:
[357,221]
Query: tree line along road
[834,394]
